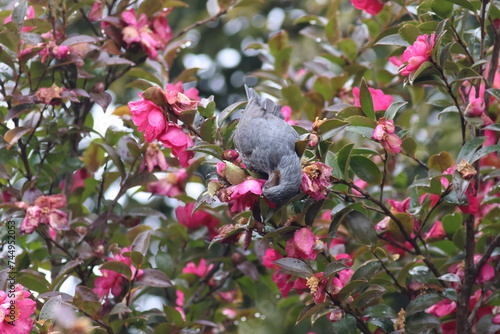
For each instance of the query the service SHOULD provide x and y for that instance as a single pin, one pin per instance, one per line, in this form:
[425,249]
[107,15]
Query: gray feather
[266,144]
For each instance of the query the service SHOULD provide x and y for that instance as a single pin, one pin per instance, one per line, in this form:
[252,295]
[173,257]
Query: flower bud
[155,95]
[313,139]
[317,123]
[230,155]
[98,88]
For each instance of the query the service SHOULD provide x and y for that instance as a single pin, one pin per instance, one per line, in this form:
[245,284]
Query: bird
[266,144]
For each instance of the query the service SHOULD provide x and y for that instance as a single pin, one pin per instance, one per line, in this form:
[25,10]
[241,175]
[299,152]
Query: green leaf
[343,160]
[204,147]
[463,3]
[469,149]
[443,9]
[409,33]
[145,75]
[380,311]
[207,130]
[295,267]
[367,297]
[366,169]
[50,308]
[293,95]
[330,128]
[366,100]
[440,162]
[312,309]
[414,75]
[348,48]
[393,109]
[154,278]
[452,222]
[367,270]
[407,222]
[362,228]
[118,267]
[392,40]
[338,214]
[229,111]
[140,246]
[422,302]
[278,42]
[334,267]
[409,146]
[115,157]
[208,110]
[361,125]
[416,322]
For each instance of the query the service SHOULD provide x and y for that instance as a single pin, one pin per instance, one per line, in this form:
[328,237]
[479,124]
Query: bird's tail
[267,106]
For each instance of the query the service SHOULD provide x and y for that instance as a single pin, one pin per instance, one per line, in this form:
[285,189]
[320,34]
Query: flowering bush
[125,207]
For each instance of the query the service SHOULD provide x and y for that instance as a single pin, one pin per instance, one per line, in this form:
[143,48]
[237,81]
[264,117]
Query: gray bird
[266,144]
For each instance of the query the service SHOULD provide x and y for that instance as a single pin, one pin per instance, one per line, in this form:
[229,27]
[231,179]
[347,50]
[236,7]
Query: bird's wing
[262,141]
[267,106]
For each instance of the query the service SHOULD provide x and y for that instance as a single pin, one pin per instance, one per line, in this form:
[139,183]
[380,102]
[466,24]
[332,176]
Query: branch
[202,22]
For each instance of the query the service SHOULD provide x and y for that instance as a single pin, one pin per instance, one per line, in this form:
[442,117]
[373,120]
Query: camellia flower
[417,54]
[15,311]
[44,211]
[179,141]
[372,7]
[192,92]
[380,100]
[78,179]
[384,133]
[287,113]
[242,196]
[172,185]
[152,36]
[148,117]
[316,180]
[303,245]
[436,232]
[199,270]
[154,157]
[195,220]
[112,281]
[442,308]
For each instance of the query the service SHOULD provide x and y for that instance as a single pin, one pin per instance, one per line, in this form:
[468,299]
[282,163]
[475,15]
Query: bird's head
[284,182]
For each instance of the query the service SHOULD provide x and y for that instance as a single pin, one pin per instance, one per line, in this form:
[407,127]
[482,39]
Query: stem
[463,326]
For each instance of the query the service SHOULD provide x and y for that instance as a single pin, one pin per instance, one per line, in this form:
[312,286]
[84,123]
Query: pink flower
[270,256]
[162,30]
[380,100]
[95,13]
[179,141]
[372,7]
[417,54]
[195,220]
[302,245]
[179,102]
[138,31]
[154,157]
[287,112]
[436,232]
[78,180]
[199,270]
[245,194]
[60,52]
[475,108]
[442,308]
[15,311]
[192,93]
[316,180]
[172,185]
[44,211]
[149,118]
[384,133]
[112,281]
[30,14]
